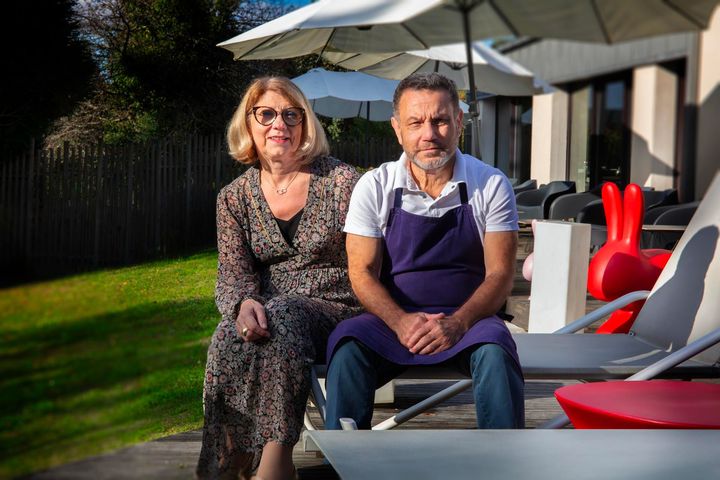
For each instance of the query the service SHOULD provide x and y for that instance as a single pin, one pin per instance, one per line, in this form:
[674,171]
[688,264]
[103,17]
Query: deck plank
[174,457]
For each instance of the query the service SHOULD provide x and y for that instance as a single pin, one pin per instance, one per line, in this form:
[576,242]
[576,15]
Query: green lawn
[102,360]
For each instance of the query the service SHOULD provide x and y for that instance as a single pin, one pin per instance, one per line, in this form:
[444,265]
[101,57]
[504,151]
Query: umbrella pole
[367,137]
[472,102]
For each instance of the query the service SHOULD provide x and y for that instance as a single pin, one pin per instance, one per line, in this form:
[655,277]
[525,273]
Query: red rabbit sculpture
[620,267]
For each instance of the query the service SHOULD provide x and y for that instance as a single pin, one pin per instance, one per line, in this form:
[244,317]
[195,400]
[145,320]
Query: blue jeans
[356,371]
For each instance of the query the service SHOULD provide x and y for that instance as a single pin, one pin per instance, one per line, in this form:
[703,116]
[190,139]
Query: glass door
[580,108]
[599,146]
[610,138]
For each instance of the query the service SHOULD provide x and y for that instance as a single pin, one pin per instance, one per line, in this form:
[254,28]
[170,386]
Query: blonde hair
[313,142]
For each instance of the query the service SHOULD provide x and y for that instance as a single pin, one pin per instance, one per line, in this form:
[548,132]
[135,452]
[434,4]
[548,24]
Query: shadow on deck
[174,457]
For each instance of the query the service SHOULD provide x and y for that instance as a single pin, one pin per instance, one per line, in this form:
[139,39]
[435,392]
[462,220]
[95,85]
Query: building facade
[645,111]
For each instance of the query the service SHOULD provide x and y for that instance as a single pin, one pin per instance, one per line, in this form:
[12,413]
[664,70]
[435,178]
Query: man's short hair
[426,81]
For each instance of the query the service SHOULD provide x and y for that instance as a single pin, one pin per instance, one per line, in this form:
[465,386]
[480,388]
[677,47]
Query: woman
[282,282]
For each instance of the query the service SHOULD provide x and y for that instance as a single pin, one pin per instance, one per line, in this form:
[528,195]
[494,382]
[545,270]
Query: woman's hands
[251,322]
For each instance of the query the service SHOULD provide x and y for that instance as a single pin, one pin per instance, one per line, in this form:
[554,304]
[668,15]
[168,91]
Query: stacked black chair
[594,214]
[567,207]
[659,198]
[525,186]
[652,214]
[680,215]
[536,203]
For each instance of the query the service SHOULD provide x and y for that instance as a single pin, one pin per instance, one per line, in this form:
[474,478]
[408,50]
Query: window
[599,143]
[514,136]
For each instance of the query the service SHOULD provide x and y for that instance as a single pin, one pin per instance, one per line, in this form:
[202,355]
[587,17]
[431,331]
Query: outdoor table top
[646,404]
[664,228]
[525,227]
[651,228]
[522,454]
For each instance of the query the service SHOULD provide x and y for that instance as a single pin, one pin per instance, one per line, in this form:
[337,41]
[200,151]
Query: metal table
[521,454]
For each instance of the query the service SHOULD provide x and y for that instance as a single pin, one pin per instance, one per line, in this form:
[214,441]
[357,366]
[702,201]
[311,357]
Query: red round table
[644,404]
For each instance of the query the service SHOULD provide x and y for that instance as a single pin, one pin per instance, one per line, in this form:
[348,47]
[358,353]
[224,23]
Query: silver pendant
[281,191]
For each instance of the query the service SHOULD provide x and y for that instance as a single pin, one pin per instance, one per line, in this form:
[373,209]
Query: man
[431,242]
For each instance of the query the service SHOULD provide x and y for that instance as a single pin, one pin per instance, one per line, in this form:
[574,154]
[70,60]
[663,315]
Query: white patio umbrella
[402,25]
[350,94]
[494,72]
[347,94]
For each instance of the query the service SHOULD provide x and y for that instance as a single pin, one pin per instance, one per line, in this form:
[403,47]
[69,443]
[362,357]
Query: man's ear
[459,119]
[396,126]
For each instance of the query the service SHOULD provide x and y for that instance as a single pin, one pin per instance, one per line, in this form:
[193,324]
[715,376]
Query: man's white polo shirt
[489,192]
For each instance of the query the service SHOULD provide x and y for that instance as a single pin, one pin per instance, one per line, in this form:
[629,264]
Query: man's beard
[435,164]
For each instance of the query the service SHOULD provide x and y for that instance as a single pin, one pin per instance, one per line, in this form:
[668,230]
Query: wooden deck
[175,457]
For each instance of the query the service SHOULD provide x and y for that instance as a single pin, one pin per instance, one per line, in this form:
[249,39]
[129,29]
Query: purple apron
[432,265]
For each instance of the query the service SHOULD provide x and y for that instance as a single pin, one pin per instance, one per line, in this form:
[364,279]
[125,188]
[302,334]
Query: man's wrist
[393,319]
[462,320]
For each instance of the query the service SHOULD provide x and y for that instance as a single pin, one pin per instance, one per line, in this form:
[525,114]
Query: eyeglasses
[266,115]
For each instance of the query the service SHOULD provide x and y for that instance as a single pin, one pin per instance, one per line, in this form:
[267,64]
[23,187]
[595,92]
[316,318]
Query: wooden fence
[83,207]
[366,153]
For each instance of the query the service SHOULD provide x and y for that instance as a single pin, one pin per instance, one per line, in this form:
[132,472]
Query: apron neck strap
[398,197]
[461,185]
[463,193]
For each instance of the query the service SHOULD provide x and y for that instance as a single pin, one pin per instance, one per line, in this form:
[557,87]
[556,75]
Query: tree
[161,72]
[50,67]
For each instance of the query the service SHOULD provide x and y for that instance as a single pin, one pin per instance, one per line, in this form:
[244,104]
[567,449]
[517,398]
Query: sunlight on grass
[102,360]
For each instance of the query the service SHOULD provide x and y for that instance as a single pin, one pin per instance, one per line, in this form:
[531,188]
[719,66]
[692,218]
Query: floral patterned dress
[255,393]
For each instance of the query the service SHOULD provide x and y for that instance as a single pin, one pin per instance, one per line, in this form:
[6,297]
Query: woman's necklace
[283,190]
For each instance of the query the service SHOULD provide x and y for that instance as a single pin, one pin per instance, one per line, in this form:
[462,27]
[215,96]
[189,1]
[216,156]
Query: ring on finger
[244,331]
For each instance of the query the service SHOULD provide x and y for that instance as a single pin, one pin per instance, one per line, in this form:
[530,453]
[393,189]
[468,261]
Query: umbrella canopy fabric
[402,25]
[494,72]
[349,94]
